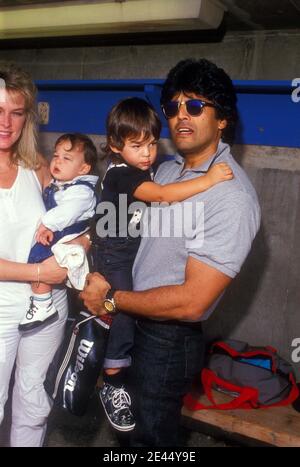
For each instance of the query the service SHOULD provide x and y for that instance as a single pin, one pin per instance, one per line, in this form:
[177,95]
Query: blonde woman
[23,174]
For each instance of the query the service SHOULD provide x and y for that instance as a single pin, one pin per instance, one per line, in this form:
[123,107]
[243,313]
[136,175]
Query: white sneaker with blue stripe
[39,312]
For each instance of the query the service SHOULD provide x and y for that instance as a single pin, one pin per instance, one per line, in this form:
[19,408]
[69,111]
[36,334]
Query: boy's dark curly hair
[205,79]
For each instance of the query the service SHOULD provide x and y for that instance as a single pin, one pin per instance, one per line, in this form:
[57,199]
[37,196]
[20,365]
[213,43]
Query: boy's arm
[76,204]
[150,191]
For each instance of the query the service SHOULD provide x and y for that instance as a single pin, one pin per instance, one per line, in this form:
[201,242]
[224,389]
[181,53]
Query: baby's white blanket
[73,258]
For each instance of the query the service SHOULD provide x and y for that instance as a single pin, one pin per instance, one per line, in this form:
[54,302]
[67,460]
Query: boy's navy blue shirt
[119,180]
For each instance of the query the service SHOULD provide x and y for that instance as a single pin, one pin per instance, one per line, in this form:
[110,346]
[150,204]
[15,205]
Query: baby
[70,202]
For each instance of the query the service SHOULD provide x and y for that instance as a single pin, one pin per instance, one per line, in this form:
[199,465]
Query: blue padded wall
[268,116]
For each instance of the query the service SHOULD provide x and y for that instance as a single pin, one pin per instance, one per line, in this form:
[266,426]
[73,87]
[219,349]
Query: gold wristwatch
[109,302]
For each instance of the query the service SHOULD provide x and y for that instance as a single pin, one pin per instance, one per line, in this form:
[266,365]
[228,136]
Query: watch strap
[110,294]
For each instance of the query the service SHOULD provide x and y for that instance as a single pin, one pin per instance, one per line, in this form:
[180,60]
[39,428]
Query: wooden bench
[278,426]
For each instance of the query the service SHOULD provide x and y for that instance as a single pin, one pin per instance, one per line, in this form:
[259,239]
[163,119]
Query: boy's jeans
[114,259]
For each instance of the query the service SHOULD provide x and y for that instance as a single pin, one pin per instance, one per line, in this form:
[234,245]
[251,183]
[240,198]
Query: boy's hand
[44,235]
[219,173]
[84,240]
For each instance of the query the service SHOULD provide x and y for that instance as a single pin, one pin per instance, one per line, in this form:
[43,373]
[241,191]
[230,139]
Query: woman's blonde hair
[17,81]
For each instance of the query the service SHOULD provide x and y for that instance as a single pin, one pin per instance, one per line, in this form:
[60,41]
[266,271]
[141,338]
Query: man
[179,280]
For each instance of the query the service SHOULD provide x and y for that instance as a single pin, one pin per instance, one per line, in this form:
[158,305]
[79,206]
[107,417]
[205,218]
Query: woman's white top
[21,208]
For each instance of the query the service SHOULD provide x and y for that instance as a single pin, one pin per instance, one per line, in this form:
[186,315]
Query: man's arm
[202,286]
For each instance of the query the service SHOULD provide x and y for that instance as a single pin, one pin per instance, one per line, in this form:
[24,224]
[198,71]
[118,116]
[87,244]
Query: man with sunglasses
[178,281]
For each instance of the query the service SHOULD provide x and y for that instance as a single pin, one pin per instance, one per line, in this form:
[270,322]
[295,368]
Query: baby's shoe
[40,311]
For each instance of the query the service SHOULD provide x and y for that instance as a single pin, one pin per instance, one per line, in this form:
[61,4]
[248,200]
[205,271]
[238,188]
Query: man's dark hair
[131,118]
[205,79]
[87,145]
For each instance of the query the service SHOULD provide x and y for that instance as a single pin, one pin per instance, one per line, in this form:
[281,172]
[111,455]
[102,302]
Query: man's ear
[85,168]
[222,124]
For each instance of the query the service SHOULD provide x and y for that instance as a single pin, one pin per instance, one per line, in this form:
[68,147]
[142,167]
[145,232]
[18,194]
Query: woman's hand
[95,290]
[51,273]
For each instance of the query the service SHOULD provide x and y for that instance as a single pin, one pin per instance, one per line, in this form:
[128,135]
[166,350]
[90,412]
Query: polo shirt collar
[223,149]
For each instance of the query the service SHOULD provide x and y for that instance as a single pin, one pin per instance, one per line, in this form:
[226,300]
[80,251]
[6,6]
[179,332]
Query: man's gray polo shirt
[223,241]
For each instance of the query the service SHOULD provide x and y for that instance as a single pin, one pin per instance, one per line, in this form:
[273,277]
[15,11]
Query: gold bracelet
[38,276]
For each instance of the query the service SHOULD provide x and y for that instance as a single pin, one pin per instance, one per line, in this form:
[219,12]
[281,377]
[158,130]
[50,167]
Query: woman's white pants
[32,353]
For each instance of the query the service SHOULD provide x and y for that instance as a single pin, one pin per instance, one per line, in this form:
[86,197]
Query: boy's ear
[85,168]
[114,149]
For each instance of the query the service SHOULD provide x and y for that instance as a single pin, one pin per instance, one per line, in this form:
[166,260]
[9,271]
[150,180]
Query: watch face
[109,306]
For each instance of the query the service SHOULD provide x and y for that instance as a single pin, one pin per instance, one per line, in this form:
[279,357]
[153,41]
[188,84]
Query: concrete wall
[258,55]
[262,304]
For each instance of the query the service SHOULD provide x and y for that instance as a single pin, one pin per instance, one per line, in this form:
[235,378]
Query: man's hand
[95,290]
[44,235]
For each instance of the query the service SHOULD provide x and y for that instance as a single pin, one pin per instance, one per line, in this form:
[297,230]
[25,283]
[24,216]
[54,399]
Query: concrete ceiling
[241,14]
[262,14]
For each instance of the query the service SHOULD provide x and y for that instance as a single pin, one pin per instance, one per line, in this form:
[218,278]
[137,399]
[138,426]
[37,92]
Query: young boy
[133,130]
[70,202]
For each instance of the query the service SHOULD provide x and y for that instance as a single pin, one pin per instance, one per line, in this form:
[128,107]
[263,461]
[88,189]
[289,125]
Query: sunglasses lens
[170,109]
[194,107]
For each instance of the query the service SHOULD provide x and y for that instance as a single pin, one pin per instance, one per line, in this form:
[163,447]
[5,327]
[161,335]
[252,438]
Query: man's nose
[182,112]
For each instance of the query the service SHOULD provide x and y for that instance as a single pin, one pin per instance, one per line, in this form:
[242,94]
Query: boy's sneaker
[116,403]
[38,313]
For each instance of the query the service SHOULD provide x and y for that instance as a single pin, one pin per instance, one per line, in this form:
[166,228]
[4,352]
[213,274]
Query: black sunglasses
[194,107]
